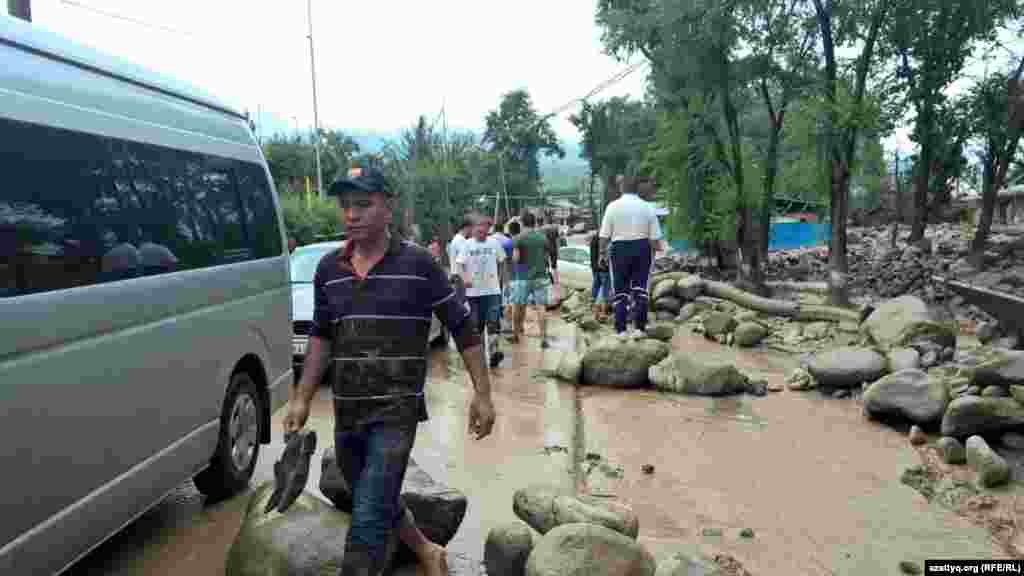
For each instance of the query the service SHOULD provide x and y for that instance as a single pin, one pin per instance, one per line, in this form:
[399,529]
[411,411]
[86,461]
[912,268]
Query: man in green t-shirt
[530,288]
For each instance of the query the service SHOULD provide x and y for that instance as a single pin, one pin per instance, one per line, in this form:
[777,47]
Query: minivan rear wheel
[238,445]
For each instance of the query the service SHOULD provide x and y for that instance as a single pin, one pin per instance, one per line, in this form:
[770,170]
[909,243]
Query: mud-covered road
[818,485]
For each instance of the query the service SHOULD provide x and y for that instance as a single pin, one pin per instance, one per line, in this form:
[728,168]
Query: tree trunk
[921,178]
[838,268]
[783,308]
[988,203]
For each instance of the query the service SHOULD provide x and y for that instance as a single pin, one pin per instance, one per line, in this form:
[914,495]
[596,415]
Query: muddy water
[531,442]
[818,485]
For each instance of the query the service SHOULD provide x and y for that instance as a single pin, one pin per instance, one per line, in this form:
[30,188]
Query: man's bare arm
[473,357]
[312,370]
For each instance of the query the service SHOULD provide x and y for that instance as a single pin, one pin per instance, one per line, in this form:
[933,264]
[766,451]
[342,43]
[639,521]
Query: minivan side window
[79,209]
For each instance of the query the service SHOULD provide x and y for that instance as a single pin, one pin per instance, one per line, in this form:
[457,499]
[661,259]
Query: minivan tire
[229,472]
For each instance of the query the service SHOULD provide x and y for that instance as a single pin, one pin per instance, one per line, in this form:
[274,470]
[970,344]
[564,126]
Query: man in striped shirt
[374,298]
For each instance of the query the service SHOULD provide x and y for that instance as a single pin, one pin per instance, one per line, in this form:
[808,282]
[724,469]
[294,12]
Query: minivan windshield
[304,262]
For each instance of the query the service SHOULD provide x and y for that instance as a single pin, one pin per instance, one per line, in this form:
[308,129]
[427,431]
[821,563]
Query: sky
[379,64]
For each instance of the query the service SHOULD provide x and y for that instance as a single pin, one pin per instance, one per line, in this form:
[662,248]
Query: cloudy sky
[379,64]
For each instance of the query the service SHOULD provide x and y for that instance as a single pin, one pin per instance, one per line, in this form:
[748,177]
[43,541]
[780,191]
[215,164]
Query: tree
[291,158]
[997,121]
[844,23]
[517,132]
[932,40]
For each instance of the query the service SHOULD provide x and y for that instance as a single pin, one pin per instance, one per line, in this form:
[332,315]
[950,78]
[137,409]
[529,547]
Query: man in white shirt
[630,235]
[459,240]
[478,264]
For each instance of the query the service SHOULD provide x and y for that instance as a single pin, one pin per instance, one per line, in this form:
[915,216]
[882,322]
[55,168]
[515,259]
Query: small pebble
[917,436]
[908,567]
[747,533]
[593,456]
[648,468]
[711,532]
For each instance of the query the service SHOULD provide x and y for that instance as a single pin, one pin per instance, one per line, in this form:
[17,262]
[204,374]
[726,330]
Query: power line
[117,16]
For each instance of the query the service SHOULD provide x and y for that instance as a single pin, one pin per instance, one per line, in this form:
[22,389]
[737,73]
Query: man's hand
[481,416]
[298,413]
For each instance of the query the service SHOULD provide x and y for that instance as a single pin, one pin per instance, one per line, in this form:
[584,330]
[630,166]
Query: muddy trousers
[630,263]
[373,458]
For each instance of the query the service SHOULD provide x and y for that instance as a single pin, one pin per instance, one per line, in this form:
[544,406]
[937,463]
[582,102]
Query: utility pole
[447,203]
[20,9]
[316,117]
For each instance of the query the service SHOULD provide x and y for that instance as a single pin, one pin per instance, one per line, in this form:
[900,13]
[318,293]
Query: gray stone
[1013,440]
[904,359]
[749,334]
[545,507]
[800,379]
[757,387]
[591,550]
[917,436]
[994,392]
[1010,342]
[437,508]
[668,304]
[970,415]
[687,374]
[688,311]
[973,391]
[507,548]
[663,289]
[1005,368]
[309,540]
[663,332]
[1018,393]
[991,468]
[847,367]
[664,316]
[841,393]
[680,564]
[952,450]
[746,316]
[911,394]
[716,323]
[817,330]
[622,363]
[908,320]
[689,288]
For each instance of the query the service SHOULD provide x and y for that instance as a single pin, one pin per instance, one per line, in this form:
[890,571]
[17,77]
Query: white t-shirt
[630,218]
[455,246]
[479,262]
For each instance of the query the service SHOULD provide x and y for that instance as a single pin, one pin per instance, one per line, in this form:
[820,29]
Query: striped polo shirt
[378,328]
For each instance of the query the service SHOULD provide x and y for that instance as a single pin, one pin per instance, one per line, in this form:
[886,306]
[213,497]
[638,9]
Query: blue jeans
[601,287]
[373,459]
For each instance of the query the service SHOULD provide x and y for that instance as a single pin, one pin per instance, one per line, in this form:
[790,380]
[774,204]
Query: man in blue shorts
[530,248]
[478,264]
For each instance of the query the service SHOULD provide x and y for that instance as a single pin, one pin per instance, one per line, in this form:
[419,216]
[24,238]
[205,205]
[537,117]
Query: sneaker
[496,358]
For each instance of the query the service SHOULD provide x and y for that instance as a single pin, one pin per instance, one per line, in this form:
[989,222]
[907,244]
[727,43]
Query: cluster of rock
[578,535]
[309,538]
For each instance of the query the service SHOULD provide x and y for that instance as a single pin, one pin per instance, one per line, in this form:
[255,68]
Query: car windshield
[304,262]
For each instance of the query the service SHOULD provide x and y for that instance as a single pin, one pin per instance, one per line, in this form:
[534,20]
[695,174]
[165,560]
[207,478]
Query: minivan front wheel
[238,445]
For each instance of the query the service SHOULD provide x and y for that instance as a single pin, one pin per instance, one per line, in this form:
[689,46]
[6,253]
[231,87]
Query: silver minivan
[145,310]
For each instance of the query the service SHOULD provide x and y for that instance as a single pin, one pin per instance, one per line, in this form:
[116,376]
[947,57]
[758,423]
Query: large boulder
[668,304]
[663,289]
[911,394]
[904,359]
[307,540]
[990,468]
[1006,368]
[544,508]
[847,367]
[438,509]
[565,365]
[686,374]
[1017,392]
[663,331]
[622,362]
[588,550]
[908,320]
[749,334]
[507,548]
[689,287]
[969,415]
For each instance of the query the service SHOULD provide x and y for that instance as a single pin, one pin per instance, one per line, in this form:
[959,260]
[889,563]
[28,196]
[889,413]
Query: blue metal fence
[785,236]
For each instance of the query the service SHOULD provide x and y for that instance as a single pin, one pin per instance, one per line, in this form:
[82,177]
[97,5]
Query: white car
[574,267]
[304,261]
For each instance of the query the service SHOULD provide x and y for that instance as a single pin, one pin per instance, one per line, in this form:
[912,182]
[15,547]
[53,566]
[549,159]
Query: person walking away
[602,280]
[630,235]
[530,248]
[478,264]
[516,273]
[460,238]
[504,273]
[373,300]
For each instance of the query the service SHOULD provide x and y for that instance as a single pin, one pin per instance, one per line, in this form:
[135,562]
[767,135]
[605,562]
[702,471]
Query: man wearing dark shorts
[373,301]
[478,264]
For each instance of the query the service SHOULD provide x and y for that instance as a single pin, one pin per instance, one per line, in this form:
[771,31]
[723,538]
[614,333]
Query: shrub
[305,222]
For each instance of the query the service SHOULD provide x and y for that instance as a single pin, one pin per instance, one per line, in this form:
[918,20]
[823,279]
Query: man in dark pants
[374,298]
[630,235]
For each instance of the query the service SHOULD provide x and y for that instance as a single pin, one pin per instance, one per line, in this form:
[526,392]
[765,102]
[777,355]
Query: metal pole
[447,203]
[316,117]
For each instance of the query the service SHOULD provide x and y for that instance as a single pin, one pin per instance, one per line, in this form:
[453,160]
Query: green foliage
[292,159]
[615,133]
[306,219]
